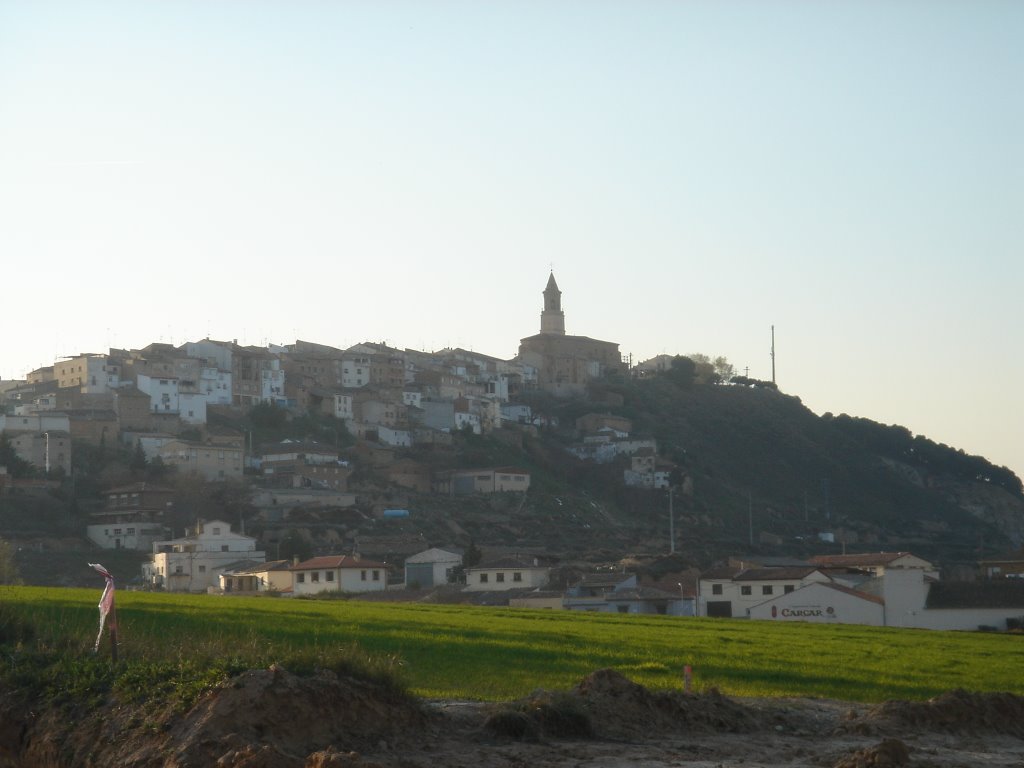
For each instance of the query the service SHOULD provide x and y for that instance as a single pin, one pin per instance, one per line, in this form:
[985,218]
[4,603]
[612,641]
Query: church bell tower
[552,319]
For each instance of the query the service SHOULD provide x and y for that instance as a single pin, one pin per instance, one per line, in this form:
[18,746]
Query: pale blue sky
[851,172]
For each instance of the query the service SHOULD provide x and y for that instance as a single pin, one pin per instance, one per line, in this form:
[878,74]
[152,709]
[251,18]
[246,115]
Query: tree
[683,371]
[138,462]
[8,566]
[16,466]
[712,370]
[294,545]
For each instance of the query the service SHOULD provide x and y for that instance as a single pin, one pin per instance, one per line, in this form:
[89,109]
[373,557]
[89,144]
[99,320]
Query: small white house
[275,576]
[338,573]
[432,567]
[507,573]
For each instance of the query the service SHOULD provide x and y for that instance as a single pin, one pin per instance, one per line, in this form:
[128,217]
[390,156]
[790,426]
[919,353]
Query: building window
[376,575]
[766,589]
[301,578]
[216,531]
[223,547]
[745,590]
[499,577]
[789,588]
[202,569]
[362,575]
[315,576]
[117,531]
[329,575]
[517,576]
[716,589]
[483,578]
[178,569]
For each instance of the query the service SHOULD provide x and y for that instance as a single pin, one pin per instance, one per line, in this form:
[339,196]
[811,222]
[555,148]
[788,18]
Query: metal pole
[773,354]
[750,515]
[671,525]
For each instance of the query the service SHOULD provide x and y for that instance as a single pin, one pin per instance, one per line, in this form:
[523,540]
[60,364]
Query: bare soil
[271,719]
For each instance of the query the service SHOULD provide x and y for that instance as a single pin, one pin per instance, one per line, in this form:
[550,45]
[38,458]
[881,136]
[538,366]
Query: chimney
[295,559]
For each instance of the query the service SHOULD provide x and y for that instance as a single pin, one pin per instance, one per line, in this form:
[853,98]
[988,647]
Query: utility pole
[750,515]
[773,354]
[671,525]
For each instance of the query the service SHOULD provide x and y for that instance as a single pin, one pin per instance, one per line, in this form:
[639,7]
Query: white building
[432,567]
[343,407]
[902,597]
[732,592]
[139,535]
[162,391]
[272,382]
[338,573]
[398,438]
[355,371]
[215,384]
[194,563]
[507,573]
[193,407]
[274,576]
[823,603]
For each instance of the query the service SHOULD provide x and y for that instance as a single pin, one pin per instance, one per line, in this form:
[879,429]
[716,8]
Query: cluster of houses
[159,398]
[894,589]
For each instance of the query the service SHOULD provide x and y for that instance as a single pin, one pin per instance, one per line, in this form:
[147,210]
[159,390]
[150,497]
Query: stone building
[565,363]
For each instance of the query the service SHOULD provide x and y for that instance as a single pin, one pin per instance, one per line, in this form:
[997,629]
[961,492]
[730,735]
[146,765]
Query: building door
[721,609]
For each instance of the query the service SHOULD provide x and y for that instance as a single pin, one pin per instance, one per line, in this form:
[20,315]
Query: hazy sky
[696,172]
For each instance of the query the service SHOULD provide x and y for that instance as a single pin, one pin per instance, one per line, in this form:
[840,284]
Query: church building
[565,363]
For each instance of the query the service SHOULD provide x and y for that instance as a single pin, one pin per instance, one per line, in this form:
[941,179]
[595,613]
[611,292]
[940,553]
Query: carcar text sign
[804,612]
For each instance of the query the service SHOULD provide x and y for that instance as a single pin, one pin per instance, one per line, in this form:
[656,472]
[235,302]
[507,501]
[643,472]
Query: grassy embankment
[493,654]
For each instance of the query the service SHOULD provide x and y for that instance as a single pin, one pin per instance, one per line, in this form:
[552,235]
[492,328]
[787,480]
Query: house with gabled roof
[194,563]
[433,566]
[730,591]
[875,563]
[621,593]
[1009,565]
[513,572]
[338,573]
[271,576]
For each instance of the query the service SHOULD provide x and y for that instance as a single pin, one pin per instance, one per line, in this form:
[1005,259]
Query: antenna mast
[773,354]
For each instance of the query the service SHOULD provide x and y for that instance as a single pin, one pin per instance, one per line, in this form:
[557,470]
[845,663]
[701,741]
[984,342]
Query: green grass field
[497,654]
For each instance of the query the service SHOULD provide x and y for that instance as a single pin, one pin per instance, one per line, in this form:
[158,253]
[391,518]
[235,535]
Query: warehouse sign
[804,612]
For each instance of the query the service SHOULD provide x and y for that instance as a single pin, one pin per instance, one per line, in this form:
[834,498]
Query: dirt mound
[618,706]
[956,712]
[891,752]
[294,715]
[608,705]
[260,719]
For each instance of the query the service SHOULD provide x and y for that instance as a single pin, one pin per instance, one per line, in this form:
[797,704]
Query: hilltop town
[565,477]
